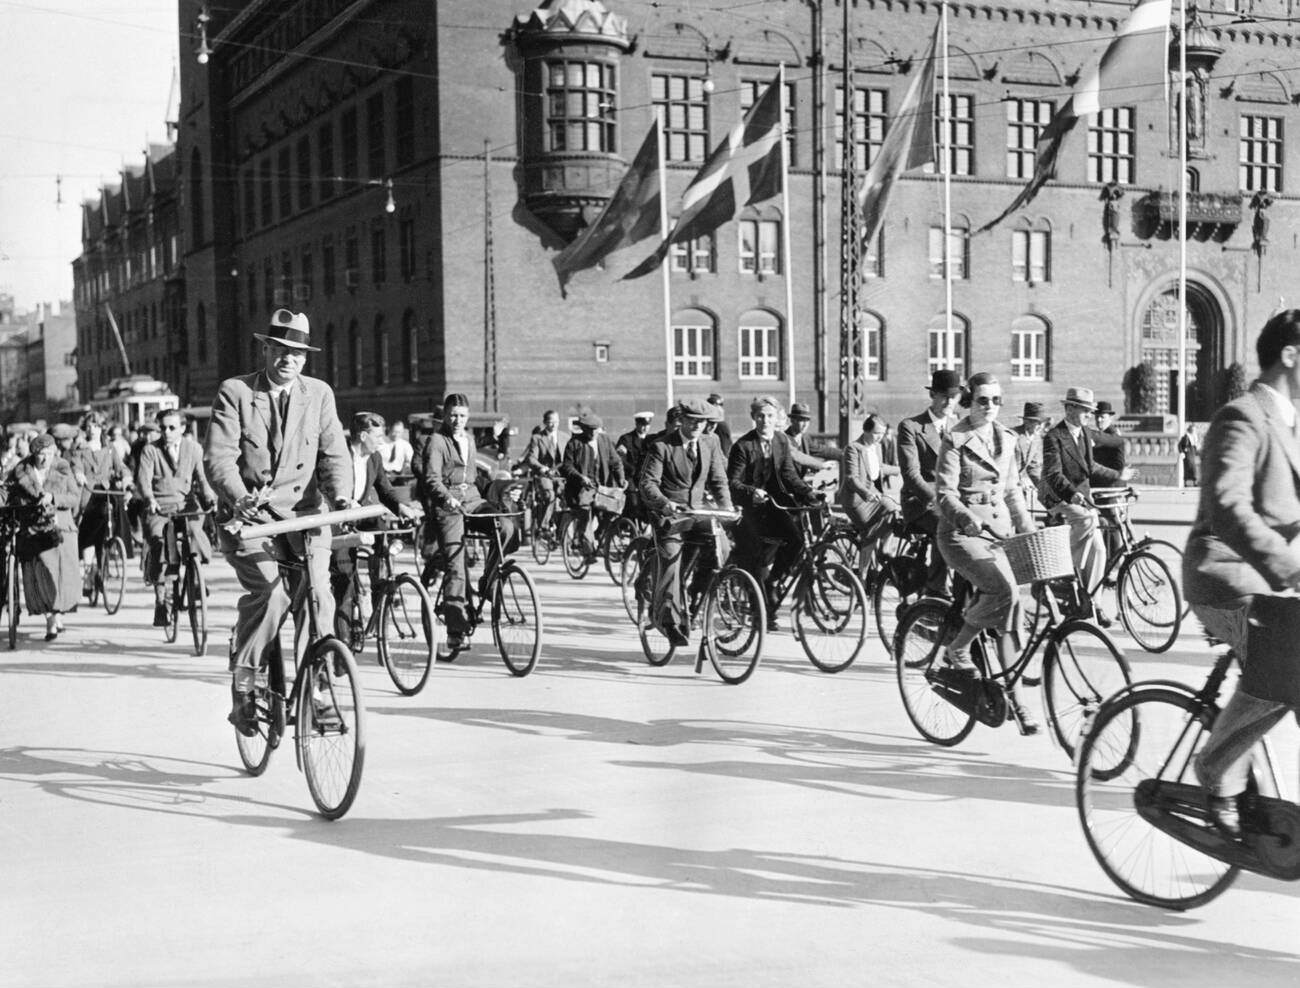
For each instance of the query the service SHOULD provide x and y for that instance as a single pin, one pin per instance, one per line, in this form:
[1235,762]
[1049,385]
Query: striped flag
[1137,57]
[744,169]
[630,216]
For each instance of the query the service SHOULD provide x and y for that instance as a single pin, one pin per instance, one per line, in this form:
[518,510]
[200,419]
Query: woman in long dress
[51,580]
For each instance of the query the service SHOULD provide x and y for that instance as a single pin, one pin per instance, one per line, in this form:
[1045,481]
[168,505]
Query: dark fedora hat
[1033,412]
[290,329]
[800,411]
[947,381]
[1104,408]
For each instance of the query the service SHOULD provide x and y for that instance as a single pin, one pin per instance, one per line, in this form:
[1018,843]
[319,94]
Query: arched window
[331,357]
[1030,349]
[196,197]
[381,351]
[759,346]
[354,353]
[948,344]
[872,357]
[695,342]
[1031,252]
[410,347]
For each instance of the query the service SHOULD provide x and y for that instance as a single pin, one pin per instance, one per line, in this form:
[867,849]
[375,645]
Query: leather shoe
[243,713]
[677,637]
[1023,718]
[773,624]
[1101,618]
[161,617]
[959,660]
[1225,813]
[451,647]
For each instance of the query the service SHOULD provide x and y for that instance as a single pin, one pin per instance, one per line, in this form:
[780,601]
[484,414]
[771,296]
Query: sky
[86,84]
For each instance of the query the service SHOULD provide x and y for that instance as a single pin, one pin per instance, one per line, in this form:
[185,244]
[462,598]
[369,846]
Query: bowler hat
[289,329]
[590,420]
[716,399]
[1081,397]
[800,411]
[1033,412]
[694,408]
[945,380]
[1104,408]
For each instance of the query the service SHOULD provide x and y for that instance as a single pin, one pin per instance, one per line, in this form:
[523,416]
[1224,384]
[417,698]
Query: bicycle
[107,577]
[611,546]
[516,611]
[1143,813]
[1081,664]
[325,702]
[11,598]
[543,526]
[401,618]
[188,590]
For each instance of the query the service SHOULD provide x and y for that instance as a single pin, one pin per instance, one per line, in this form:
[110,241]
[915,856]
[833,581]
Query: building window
[266,188]
[351,260]
[1261,153]
[354,354]
[1193,180]
[868,116]
[284,179]
[1031,256]
[947,345]
[1029,340]
[378,255]
[873,264]
[751,90]
[760,346]
[1026,119]
[196,197]
[580,106]
[1110,145]
[406,248]
[331,357]
[601,352]
[252,291]
[381,351]
[684,108]
[305,179]
[872,366]
[349,143]
[250,201]
[376,146]
[760,246]
[958,252]
[410,347]
[404,110]
[201,333]
[268,285]
[961,132]
[325,160]
[695,256]
[327,267]
[307,287]
[694,339]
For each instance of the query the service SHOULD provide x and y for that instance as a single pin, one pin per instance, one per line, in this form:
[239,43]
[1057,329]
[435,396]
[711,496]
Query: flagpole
[1182,232]
[664,273]
[946,117]
[786,220]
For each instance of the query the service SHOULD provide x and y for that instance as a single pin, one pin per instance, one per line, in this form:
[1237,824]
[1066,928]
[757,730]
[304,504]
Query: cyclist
[169,477]
[1029,450]
[632,446]
[590,461]
[862,486]
[543,456]
[102,468]
[448,482]
[919,439]
[800,448]
[275,449]
[979,488]
[718,426]
[760,470]
[680,469]
[1242,544]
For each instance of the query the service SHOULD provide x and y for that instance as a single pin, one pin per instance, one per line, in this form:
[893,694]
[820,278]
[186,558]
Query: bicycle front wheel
[112,574]
[1081,670]
[517,620]
[735,621]
[541,541]
[1150,733]
[13,597]
[923,679]
[196,598]
[408,635]
[630,573]
[255,752]
[330,727]
[1150,603]
[621,535]
[830,616]
[172,630]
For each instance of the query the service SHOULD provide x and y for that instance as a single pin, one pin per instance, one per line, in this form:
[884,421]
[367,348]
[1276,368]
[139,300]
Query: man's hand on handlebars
[407,511]
[1127,474]
[761,496]
[344,503]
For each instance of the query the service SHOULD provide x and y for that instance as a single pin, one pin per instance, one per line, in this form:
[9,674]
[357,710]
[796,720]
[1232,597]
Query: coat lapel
[931,433]
[1284,436]
[977,446]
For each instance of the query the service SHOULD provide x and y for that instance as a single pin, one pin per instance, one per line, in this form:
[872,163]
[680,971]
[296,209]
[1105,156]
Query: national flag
[630,216]
[744,169]
[908,144]
[1136,58]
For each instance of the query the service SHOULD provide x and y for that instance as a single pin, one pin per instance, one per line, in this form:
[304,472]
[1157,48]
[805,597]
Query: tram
[131,400]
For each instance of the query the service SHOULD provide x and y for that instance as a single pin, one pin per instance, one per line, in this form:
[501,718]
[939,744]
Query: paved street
[598,822]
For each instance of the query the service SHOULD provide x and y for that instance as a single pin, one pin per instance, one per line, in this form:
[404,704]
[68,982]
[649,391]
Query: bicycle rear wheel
[1081,670]
[1150,733]
[541,541]
[576,560]
[633,561]
[408,636]
[173,626]
[255,752]
[735,621]
[1150,603]
[517,620]
[887,605]
[196,599]
[112,574]
[349,627]
[830,616]
[919,665]
[621,535]
[13,596]
[330,727]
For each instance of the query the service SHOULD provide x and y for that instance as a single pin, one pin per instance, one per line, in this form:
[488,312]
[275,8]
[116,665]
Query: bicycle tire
[95,582]
[197,604]
[541,542]
[633,560]
[517,619]
[1155,727]
[348,625]
[621,535]
[330,727]
[830,616]
[112,574]
[173,627]
[408,635]
[576,563]
[13,596]
[1082,668]
[1150,602]
[918,653]
[255,752]
[887,606]
[735,622]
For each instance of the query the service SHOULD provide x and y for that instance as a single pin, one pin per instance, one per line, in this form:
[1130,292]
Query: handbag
[610,499]
[41,535]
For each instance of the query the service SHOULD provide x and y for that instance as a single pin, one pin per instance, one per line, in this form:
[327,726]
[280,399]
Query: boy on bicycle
[590,461]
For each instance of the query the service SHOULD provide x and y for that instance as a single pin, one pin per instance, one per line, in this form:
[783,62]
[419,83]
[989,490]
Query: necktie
[284,409]
[692,453]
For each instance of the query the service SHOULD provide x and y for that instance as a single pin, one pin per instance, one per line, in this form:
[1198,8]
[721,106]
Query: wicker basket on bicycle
[1040,555]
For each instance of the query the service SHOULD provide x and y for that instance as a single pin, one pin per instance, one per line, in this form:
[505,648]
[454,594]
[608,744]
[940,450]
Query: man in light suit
[679,469]
[919,438]
[275,449]
[543,456]
[590,461]
[1243,545]
[862,486]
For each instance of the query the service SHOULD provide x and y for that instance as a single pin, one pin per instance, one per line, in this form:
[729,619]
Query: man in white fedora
[275,449]
[1069,473]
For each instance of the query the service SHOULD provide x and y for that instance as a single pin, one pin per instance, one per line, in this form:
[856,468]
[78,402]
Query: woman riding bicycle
[978,490]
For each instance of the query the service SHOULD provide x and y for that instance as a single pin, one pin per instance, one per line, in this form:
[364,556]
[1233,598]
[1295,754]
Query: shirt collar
[1285,407]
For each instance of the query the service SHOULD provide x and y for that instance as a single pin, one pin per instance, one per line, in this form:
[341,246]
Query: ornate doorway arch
[1158,339]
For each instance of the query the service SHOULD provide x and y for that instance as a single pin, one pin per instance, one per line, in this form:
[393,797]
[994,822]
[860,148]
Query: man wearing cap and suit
[680,468]
[1107,443]
[275,449]
[1069,472]
[919,439]
[718,426]
[543,455]
[797,431]
[590,461]
[631,445]
[1029,451]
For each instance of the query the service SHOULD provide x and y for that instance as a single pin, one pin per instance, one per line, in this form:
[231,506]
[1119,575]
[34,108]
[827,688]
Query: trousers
[1085,542]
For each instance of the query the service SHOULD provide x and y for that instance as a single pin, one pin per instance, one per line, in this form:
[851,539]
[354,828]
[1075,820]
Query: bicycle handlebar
[109,493]
[722,514]
[302,523]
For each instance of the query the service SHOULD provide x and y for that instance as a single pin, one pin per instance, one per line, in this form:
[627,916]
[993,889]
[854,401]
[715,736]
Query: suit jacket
[804,459]
[667,477]
[378,488]
[722,431]
[1069,470]
[632,448]
[1108,448]
[970,466]
[170,483]
[1029,458]
[857,488]
[603,466]
[1243,540]
[745,464]
[542,452]
[918,455]
[445,474]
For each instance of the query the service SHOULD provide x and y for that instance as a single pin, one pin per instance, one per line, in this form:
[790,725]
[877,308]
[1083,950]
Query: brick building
[51,362]
[311,118]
